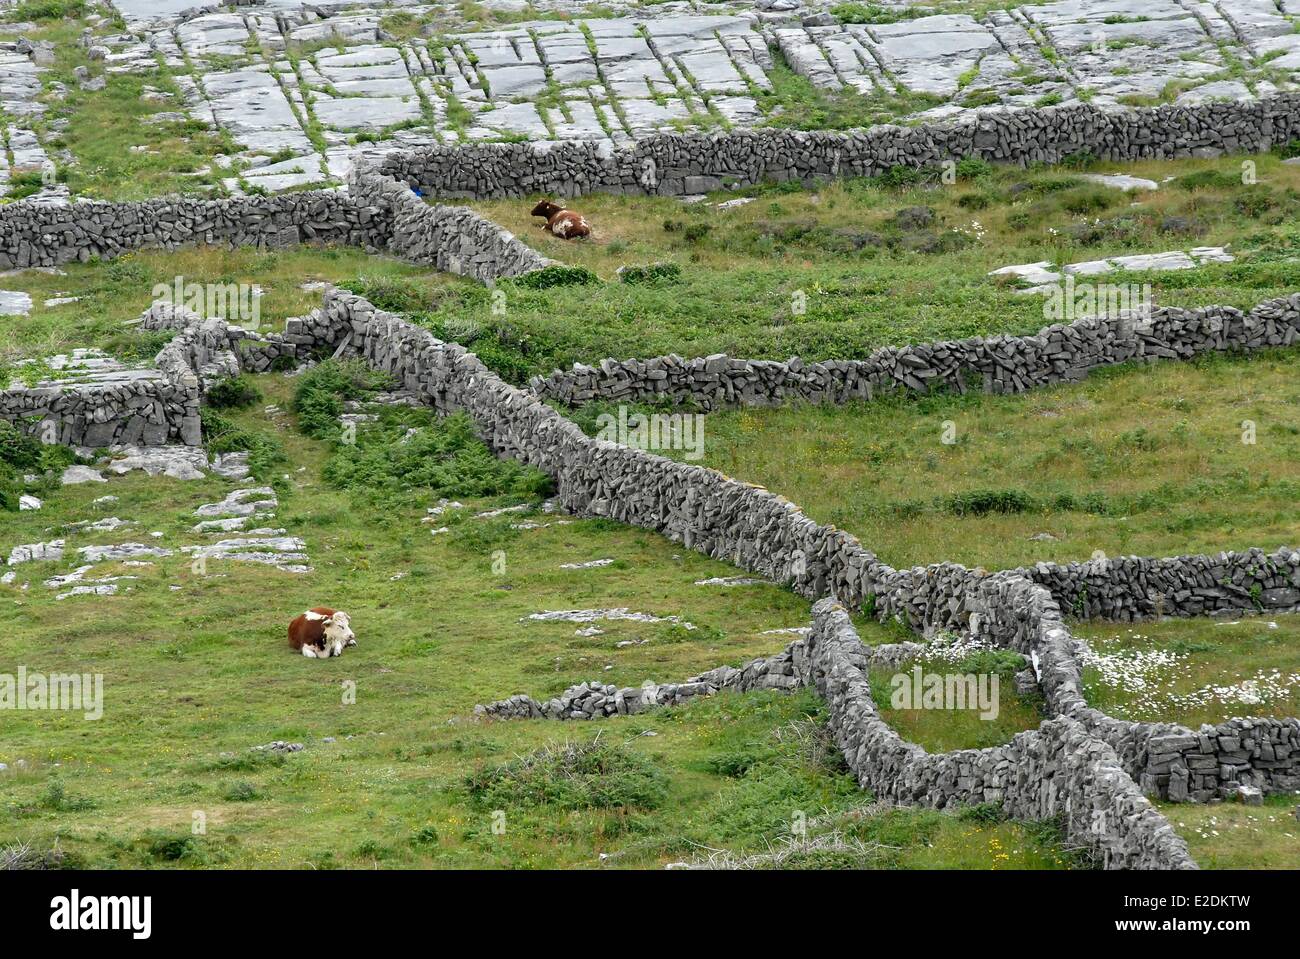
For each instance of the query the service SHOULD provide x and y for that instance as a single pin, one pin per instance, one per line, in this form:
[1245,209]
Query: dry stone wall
[43,235]
[597,700]
[135,408]
[214,349]
[1168,760]
[1010,608]
[1082,766]
[147,411]
[38,234]
[671,165]
[1087,768]
[378,213]
[1127,588]
[1061,353]
[764,533]
[1059,770]
[154,407]
[451,238]
[748,526]
[1063,771]
[1021,610]
[161,409]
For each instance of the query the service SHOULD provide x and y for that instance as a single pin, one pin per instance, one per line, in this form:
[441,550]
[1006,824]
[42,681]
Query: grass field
[833,272]
[409,778]
[197,672]
[840,270]
[1146,461]
[1232,836]
[1195,671]
[111,294]
[943,730]
[197,675]
[1198,671]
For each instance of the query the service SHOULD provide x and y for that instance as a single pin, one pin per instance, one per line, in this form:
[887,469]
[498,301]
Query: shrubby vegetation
[27,856]
[236,392]
[590,775]
[442,457]
[407,451]
[550,276]
[651,273]
[320,393]
[869,13]
[22,455]
[28,10]
[222,434]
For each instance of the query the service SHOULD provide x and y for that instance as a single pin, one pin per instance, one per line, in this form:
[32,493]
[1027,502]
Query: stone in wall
[379,213]
[115,405]
[745,525]
[596,700]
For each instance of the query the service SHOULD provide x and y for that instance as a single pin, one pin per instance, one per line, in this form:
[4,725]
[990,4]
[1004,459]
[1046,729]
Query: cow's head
[338,633]
[547,209]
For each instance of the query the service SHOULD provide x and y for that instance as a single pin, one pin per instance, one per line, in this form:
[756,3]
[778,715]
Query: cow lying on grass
[321,633]
[566,224]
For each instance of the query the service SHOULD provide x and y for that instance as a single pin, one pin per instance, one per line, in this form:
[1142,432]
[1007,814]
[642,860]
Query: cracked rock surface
[619,72]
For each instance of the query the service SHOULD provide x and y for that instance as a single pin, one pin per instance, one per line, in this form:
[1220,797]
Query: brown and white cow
[566,224]
[321,633]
